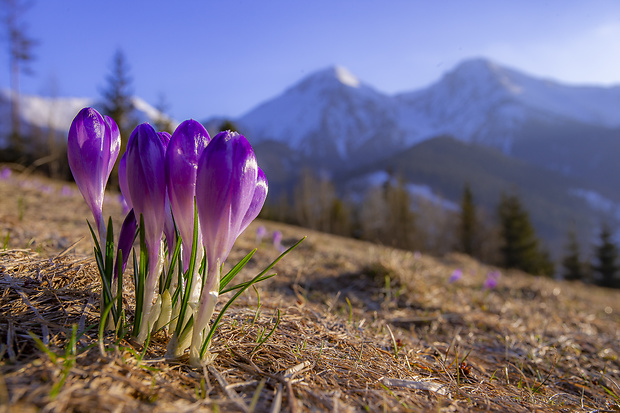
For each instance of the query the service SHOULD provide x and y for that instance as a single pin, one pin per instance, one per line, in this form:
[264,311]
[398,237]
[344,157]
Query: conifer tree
[20,54]
[400,227]
[228,124]
[520,247]
[118,103]
[117,97]
[467,223]
[572,267]
[606,256]
[163,122]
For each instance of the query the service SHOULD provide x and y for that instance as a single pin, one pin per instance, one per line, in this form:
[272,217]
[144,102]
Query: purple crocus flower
[277,238]
[123,203]
[230,192]
[226,181]
[168,221]
[258,200]
[261,232]
[66,191]
[122,180]
[186,145]
[5,173]
[165,138]
[92,148]
[492,280]
[146,181]
[125,240]
[456,275]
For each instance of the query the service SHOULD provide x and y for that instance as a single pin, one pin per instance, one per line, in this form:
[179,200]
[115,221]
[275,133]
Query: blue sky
[223,57]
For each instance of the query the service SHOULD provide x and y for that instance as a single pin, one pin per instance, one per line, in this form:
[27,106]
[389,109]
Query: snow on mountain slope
[329,114]
[333,115]
[487,103]
[44,113]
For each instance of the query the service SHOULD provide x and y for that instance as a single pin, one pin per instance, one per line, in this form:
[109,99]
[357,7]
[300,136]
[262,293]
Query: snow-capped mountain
[39,113]
[481,101]
[333,116]
[330,115]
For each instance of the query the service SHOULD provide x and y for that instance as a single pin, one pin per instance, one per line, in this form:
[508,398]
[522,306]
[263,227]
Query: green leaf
[235,270]
[190,274]
[246,285]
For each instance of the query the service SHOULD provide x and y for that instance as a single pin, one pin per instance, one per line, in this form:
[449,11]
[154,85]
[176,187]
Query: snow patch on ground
[597,201]
[425,191]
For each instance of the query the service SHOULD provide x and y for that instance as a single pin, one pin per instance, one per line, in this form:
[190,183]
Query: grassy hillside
[362,328]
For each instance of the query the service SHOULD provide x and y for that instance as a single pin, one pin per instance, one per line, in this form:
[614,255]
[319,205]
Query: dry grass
[363,328]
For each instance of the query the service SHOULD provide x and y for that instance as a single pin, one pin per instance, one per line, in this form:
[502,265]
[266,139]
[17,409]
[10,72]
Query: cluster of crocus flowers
[190,197]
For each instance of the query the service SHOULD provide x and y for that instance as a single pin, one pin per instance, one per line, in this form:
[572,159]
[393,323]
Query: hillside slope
[362,328]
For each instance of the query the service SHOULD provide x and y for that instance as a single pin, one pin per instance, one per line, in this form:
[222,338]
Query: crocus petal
[122,180]
[165,138]
[226,180]
[186,145]
[146,182]
[91,150]
[258,200]
[115,142]
[125,239]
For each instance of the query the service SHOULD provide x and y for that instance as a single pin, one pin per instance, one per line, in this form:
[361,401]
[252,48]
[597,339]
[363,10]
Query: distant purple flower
[92,148]
[261,232]
[46,189]
[277,238]
[186,145]
[492,280]
[66,191]
[5,173]
[456,275]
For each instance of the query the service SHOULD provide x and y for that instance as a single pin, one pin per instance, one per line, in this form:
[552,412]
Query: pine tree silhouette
[520,247]
[606,255]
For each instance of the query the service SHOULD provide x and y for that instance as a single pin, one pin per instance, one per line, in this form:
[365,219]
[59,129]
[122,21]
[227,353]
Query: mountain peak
[345,76]
[485,72]
[334,74]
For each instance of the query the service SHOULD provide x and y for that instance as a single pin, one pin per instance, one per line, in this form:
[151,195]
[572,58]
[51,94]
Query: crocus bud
[122,180]
[125,240]
[186,145]
[146,181]
[227,179]
[168,221]
[258,200]
[92,148]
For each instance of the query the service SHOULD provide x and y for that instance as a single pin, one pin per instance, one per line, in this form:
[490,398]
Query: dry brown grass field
[363,328]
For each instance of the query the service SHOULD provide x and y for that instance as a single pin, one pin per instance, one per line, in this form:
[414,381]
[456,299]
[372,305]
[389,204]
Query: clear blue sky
[223,57]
